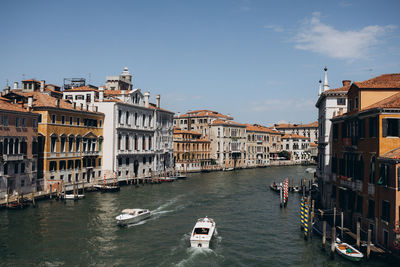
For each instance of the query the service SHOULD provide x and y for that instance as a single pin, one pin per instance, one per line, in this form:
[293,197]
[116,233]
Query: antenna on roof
[7,82]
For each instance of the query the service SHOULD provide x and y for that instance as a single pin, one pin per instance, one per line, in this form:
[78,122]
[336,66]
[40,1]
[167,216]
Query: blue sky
[259,61]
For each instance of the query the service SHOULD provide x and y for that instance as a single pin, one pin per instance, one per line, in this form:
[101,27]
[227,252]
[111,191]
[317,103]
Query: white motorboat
[130,216]
[347,251]
[227,169]
[73,197]
[202,233]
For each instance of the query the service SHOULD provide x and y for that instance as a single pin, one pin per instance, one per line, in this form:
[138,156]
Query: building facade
[308,130]
[191,151]
[258,145]
[365,166]
[18,148]
[298,146]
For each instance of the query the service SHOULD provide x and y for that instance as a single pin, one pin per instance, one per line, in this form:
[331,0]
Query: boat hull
[354,256]
[202,233]
[126,220]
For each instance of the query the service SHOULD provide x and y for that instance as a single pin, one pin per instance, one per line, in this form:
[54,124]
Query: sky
[259,61]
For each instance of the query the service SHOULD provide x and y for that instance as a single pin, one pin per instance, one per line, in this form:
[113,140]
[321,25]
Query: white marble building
[138,135]
[331,102]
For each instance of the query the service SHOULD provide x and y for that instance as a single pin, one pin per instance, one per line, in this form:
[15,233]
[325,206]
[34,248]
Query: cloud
[283,105]
[275,28]
[321,38]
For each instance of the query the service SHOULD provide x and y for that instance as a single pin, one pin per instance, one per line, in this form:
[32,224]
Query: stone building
[18,148]
[258,143]
[123,82]
[228,143]
[308,130]
[331,103]
[365,159]
[298,146]
[191,151]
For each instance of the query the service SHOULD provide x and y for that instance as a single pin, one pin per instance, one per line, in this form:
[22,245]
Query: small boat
[129,216]
[295,189]
[73,197]
[347,251]
[17,205]
[202,233]
[275,187]
[311,170]
[107,188]
[166,179]
[179,176]
[227,169]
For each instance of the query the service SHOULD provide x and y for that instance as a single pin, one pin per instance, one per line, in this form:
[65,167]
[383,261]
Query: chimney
[123,93]
[158,101]
[101,94]
[42,86]
[7,90]
[146,99]
[74,105]
[15,85]
[58,103]
[320,88]
[346,82]
[326,86]
[30,102]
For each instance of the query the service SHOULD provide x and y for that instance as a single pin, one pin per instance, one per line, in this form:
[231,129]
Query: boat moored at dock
[347,251]
[202,233]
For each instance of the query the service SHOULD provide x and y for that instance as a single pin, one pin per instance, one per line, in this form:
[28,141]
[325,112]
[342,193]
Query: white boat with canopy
[202,233]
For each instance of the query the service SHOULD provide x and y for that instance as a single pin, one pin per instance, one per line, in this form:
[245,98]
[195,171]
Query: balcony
[13,157]
[347,184]
[371,189]
[90,153]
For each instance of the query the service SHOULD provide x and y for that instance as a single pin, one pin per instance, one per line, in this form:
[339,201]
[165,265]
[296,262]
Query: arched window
[372,168]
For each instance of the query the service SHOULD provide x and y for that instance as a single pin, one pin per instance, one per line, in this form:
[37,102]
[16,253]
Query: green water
[252,229]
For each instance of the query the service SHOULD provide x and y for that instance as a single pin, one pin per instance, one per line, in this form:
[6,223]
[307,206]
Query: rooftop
[383,81]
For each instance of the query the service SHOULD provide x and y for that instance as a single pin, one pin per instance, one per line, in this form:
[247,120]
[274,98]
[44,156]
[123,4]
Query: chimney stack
[346,82]
[326,85]
[15,85]
[42,86]
[146,99]
[101,94]
[158,101]
[7,90]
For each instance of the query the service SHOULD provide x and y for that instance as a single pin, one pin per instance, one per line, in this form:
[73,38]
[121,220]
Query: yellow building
[70,141]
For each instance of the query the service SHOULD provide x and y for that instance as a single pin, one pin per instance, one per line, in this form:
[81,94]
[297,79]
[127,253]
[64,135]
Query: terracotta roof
[382,81]
[153,106]
[44,100]
[31,80]
[340,89]
[116,92]
[393,154]
[82,89]
[6,105]
[294,136]
[205,113]
[259,128]
[290,125]
[389,102]
[221,122]
[313,145]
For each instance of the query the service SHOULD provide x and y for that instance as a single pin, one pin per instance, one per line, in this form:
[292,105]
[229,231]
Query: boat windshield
[201,231]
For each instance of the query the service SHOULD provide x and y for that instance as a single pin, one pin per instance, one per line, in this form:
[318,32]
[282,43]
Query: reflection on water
[252,229]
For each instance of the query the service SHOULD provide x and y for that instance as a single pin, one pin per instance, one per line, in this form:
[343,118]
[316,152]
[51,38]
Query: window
[361,128]
[40,117]
[373,127]
[62,119]
[70,120]
[23,122]
[99,164]
[127,161]
[341,101]
[77,144]
[119,116]
[5,169]
[77,164]
[53,166]
[100,123]
[17,124]
[356,103]
[22,167]
[34,123]
[371,209]
[385,211]
[143,120]
[78,121]
[70,144]
[119,161]
[384,175]
[136,119]
[372,171]
[119,141]
[391,127]
[5,120]
[63,165]
[53,118]
[62,148]
[127,142]
[127,118]
[53,142]
[70,164]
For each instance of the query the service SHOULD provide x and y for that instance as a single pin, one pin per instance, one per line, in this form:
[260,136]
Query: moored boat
[347,251]
[166,179]
[107,188]
[129,216]
[275,187]
[202,233]
[73,197]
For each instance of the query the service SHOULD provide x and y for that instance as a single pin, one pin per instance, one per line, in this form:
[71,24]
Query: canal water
[252,229]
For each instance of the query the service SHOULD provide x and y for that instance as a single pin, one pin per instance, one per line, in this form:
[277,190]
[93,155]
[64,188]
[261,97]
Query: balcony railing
[13,157]
[347,184]
[359,185]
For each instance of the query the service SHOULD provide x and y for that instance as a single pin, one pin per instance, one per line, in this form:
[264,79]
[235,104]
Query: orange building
[366,158]
[191,151]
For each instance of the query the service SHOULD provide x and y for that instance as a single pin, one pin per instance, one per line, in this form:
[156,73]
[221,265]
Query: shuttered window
[391,127]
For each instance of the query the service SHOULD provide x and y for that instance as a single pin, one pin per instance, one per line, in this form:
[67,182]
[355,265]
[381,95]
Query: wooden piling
[369,243]
[333,242]
[322,215]
[358,235]
[83,187]
[334,217]
[323,234]
[341,224]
